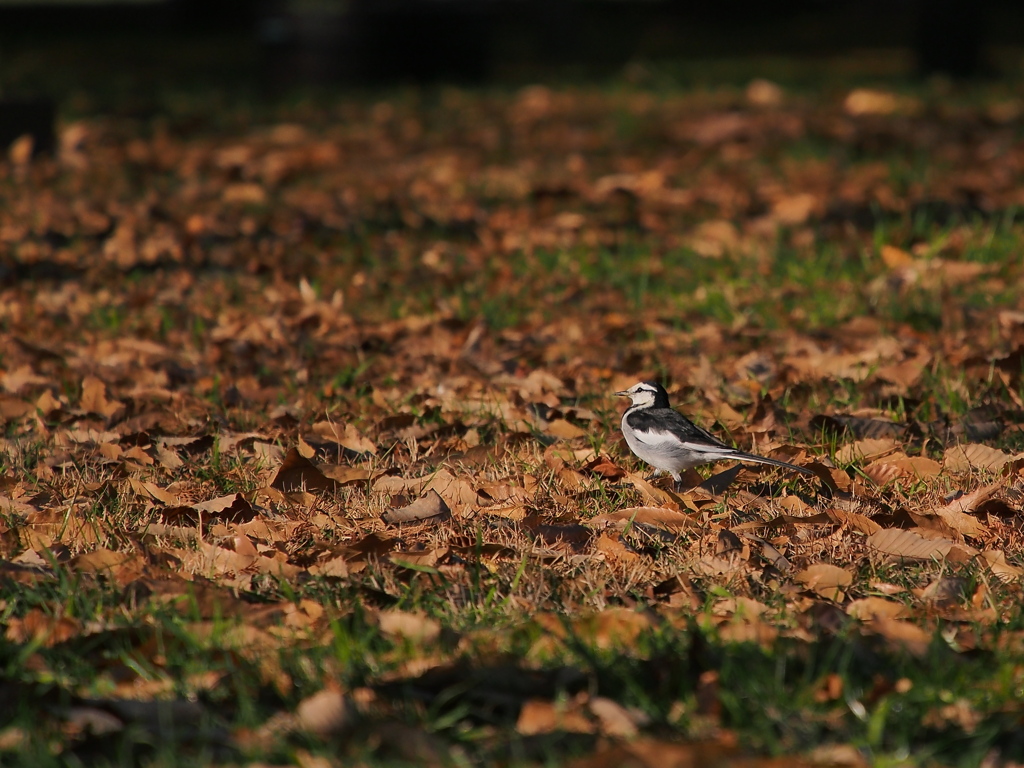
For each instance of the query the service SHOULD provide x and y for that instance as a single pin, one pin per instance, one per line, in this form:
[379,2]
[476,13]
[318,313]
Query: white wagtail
[669,441]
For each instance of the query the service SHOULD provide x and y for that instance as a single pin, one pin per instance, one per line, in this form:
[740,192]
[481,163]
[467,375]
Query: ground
[310,452]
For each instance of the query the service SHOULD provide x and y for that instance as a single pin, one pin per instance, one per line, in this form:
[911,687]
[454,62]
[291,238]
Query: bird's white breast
[659,449]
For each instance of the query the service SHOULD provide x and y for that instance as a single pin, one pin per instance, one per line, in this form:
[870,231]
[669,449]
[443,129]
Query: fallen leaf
[825,579]
[655,517]
[324,714]
[900,634]
[866,450]
[614,719]
[564,430]
[347,436]
[428,506]
[908,545]
[955,514]
[297,473]
[615,551]
[94,399]
[964,458]
[869,608]
[413,627]
[537,717]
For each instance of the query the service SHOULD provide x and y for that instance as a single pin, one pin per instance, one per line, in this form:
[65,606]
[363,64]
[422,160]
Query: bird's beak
[623,393]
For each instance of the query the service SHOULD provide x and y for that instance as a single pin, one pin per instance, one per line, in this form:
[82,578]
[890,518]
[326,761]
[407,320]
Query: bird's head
[646,393]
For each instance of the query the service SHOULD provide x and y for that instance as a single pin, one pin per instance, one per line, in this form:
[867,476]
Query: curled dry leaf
[604,467]
[427,507]
[955,514]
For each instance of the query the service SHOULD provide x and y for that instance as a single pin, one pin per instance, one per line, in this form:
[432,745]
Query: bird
[670,442]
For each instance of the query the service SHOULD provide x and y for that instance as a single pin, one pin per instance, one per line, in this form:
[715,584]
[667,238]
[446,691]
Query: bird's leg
[678,485]
[654,474]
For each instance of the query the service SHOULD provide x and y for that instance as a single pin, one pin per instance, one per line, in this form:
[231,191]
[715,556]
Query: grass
[777,695]
[482,335]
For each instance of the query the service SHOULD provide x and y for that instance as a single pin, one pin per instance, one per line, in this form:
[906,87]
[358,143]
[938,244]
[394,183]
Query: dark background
[280,43]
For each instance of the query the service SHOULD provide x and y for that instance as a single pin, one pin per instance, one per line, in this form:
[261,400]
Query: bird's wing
[661,426]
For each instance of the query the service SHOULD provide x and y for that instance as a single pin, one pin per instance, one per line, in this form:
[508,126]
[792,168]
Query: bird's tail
[741,456]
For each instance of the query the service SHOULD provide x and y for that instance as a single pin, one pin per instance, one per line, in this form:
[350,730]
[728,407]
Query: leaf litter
[337,416]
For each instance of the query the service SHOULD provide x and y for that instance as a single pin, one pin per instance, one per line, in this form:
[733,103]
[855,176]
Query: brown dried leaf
[955,514]
[615,551]
[458,492]
[881,474]
[604,467]
[564,430]
[232,508]
[1002,570]
[413,627]
[335,567]
[12,408]
[428,506]
[36,626]
[854,520]
[964,458]
[537,717]
[324,714]
[866,450]
[101,560]
[825,579]
[346,436]
[656,517]
[908,545]
[429,558]
[344,476]
[94,399]
[297,473]
[869,608]
[154,491]
[918,466]
[614,719]
[654,494]
[901,635]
